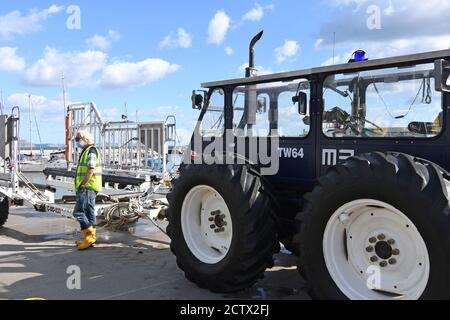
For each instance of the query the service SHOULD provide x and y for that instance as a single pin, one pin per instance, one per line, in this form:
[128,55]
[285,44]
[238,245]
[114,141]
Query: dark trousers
[85,208]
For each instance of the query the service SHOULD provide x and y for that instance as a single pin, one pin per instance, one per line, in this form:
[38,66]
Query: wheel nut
[381,237]
[369,249]
[215,213]
[391,242]
[211,219]
[373,240]
[374,259]
[392,261]
[383,264]
[396,252]
[213,226]
[219,230]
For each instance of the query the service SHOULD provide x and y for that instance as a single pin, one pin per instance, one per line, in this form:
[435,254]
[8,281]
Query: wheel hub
[219,220]
[206,224]
[383,250]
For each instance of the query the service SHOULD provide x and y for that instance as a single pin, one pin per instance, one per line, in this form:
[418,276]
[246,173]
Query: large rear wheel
[377,227]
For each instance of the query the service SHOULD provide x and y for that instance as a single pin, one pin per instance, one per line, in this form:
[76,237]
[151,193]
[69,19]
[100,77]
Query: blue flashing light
[359,56]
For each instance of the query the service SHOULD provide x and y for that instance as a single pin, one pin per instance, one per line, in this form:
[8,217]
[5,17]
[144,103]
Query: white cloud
[41,105]
[48,112]
[378,50]
[405,29]
[400,20]
[347,2]
[318,43]
[389,11]
[103,42]
[14,23]
[218,28]
[93,69]
[78,68]
[10,61]
[229,51]
[338,59]
[111,114]
[257,13]
[129,74]
[289,49]
[183,40]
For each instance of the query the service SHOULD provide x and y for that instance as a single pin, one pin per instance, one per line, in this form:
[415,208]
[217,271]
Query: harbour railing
[126,145]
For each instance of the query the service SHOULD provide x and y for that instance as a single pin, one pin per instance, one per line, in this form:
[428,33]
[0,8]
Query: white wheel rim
[360,232]
[206,224]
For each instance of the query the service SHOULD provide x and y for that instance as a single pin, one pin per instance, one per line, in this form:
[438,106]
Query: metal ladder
[30,186]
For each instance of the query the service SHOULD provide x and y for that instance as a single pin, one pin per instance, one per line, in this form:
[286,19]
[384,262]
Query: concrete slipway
[37,251]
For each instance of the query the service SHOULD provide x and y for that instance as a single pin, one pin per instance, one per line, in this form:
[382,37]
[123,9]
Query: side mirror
[302,101]
[442,75]
[197,100]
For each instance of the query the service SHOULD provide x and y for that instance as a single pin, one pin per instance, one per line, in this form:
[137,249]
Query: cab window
[213,122]
[385,103]
[268,109]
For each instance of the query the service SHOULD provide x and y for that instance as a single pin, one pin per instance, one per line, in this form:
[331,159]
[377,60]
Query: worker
[88,183]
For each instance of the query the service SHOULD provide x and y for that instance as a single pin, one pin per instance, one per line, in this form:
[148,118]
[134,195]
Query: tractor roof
[400,61]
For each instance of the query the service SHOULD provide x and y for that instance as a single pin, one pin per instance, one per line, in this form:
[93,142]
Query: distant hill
[25,145]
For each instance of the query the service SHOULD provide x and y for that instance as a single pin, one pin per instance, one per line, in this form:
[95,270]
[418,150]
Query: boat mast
[64,96]
[31,123]
[1,102]
[66,119]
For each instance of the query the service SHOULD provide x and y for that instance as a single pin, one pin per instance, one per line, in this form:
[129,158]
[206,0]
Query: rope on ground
[121,214]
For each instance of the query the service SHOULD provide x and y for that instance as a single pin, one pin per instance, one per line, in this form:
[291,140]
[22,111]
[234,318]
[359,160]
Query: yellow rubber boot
[89,241]
[94,234]
[78,242]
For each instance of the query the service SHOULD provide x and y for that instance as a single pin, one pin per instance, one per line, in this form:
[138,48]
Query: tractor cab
[324,115]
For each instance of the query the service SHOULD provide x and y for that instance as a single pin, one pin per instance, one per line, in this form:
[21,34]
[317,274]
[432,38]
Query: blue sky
[151,54]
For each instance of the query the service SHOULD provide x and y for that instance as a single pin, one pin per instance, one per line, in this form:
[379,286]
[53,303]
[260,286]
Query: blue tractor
[346,165]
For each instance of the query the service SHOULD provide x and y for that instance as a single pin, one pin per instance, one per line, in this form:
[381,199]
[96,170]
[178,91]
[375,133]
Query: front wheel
[377,227]
[4,210]
[221,227]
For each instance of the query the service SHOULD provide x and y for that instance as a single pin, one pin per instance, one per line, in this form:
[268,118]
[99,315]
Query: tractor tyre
[4,210]
[220,223]
[377,227]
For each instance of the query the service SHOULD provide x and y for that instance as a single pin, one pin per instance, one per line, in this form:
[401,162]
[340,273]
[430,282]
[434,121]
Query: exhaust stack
[251,71]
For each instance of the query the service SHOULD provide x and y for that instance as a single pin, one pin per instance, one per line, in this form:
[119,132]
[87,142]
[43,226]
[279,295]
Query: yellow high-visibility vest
[95,183]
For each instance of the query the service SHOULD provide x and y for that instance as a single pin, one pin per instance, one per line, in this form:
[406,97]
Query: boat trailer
[131,198]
